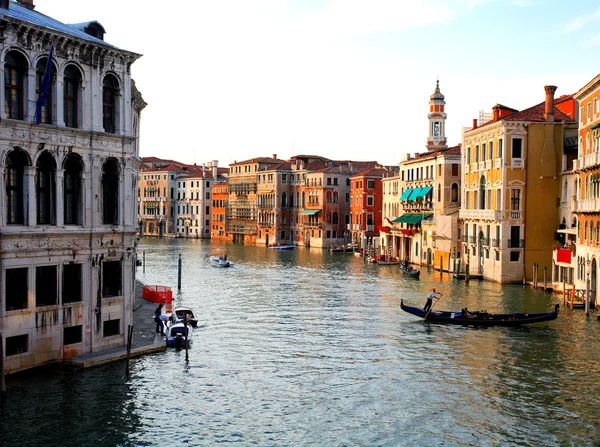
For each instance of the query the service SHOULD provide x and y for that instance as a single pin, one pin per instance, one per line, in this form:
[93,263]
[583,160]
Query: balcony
[496,243]
[481,214]
[473,167]
[587,205]
[481,165]
[498,163]
[312,225]
[370,227]
[485,241]
[515,214]
[516,243]
[589,161]
[472,239]
[488,164]
[428,222]
[465,238]
[517,163]
[466,168]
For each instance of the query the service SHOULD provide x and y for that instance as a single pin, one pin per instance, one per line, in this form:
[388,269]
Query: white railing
[428,222]
[591,205]
[498,163]
[473,167]
[515,214]
[481,214]
[516,162]
[370,227]
[488,164]
[588,161]
[481,165]
[466,168]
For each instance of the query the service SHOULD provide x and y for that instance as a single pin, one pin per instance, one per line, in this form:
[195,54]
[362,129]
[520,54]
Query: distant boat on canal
[282,247]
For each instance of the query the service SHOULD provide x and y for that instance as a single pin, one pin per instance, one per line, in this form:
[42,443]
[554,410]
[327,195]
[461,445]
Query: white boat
[176,335]
[180,311]
[218,261]
[282,247]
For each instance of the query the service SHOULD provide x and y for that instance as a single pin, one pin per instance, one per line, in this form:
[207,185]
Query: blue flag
[44,88]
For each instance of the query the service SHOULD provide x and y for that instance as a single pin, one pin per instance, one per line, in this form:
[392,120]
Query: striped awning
[411,218]
[406,193]
[309,212]
[415,193]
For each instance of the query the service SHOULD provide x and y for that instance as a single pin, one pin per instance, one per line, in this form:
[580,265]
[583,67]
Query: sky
[230,80]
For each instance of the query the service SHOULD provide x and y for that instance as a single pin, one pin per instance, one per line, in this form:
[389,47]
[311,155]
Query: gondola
[410,272]
[480,318]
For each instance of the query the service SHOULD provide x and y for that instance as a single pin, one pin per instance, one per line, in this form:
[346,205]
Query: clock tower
[437,121]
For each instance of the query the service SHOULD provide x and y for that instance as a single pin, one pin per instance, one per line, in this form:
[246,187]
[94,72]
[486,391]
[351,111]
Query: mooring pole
[564,291]
[185,325]
[2,382]
[129,340]
[545,273]
[179,273]
[144,261]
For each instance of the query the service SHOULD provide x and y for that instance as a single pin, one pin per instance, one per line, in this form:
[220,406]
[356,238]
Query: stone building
[68,202]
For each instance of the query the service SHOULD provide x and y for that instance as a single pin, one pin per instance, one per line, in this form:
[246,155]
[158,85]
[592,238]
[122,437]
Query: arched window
[439,193]
[46,109]
[16,187]
[45,188]
[585,231]
[454,193]
[72,198]
[110,192]
[574,223]
[303,200]
[110,90]
[335,219]
[328,218]
[283,200]
[482,193]
[335,197]
[71,96]
[15,68]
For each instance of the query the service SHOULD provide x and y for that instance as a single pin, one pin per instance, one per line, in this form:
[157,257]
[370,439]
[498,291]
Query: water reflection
[306,347]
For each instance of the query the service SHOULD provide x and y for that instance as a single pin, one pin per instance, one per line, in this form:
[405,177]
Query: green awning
[411,218]
[595,126]
[415,193]
[406,193]
[309,212]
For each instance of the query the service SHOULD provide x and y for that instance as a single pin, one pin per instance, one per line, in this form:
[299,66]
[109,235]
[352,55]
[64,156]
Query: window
[483,152]
[71,283]
[370,201]
[517,148]
[482,193]
[110,192]
[371,184]
[72,335]
[16,187]
[283,200]
[46,286]
[110,91]
[45,185]
[454,193]
[16,289]
[72,190]
[468,156]
[17,345]
[15,68]
[491,150]
[111,278]
[477,154]
[46,109]
[111,327]
[500,148]
[515,199]
[439,193]
[335,218]
[514,256]
[454,169]
[207,196]
[71,96]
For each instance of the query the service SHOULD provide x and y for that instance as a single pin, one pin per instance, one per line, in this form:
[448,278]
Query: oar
[437,298]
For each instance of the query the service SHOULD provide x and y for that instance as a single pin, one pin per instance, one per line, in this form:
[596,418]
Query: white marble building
[68,202]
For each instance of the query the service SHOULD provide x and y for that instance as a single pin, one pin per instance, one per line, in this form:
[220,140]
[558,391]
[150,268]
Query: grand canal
[310,348]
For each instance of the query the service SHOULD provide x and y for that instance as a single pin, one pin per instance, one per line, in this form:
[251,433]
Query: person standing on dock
[429,302]
[159,324]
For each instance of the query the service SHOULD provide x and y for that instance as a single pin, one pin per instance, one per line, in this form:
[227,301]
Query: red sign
[564,255]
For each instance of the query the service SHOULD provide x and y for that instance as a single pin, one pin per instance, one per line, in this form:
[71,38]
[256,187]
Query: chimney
[474,123]
[215,171]
[275,156]
[549,109]
[495,113]
[27,3]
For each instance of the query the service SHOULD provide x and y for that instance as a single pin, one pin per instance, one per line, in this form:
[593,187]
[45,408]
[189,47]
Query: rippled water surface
[310,348]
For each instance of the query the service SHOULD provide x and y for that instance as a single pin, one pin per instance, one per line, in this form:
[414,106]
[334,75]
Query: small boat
[283,247]
[180,311]
[218,261]
[176,335]
[480,318]
[357,252]
[342,249]
[410,272]
[390,261]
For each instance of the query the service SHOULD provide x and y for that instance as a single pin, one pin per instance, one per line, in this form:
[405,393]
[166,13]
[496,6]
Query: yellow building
[511,185]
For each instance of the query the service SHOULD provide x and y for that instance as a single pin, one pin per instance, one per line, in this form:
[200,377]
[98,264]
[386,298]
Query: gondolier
[430,297]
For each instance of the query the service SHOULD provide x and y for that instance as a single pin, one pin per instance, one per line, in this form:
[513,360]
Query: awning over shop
[406,193]
[309,212]
[414,194]
[425,191]
[411,218]
[595,126]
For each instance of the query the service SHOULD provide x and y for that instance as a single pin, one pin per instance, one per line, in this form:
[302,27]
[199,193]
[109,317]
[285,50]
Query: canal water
[309,348]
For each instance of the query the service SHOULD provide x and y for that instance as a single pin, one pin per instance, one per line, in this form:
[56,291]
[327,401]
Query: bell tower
[437,121]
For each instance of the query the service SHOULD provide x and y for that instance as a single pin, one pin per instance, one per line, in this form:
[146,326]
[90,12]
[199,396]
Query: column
[29,196]
[60,214]
[59,117]
[30,99]
[2,109]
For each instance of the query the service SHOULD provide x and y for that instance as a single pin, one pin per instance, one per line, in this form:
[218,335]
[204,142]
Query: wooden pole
[545,283]
[144,261]
[564,292]
[129,340]
[179,273]
[458,269]
[185,325]
[2,382]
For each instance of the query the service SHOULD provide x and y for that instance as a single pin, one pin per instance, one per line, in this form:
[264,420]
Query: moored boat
[282,247]
[478,318]
[182,311]
[390,261]
[176,335]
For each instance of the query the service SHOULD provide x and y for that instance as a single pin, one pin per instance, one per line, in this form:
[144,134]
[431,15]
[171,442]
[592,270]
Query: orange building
[218,227]
[365,205]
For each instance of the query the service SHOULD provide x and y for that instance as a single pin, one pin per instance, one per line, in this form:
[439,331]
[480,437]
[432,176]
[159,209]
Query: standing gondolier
[430,297]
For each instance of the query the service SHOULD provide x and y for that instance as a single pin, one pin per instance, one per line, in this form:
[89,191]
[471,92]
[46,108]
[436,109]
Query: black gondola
[410,272]
[480,318]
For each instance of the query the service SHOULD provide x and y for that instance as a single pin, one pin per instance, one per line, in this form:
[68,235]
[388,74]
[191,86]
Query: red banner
[564,255]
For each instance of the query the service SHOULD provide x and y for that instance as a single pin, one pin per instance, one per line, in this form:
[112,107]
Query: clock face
[436,129]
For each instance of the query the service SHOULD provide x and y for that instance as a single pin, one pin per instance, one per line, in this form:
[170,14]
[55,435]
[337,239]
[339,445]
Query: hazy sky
[345,79]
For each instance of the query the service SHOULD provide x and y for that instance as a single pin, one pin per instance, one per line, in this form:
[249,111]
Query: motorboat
[220,261]
[479,318]
[282,247]
[176,335]
[182,311]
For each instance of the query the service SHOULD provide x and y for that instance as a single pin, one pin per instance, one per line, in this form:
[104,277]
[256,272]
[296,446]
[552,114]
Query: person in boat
[225,257]
[159,324]
[466,314]
[430,297]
